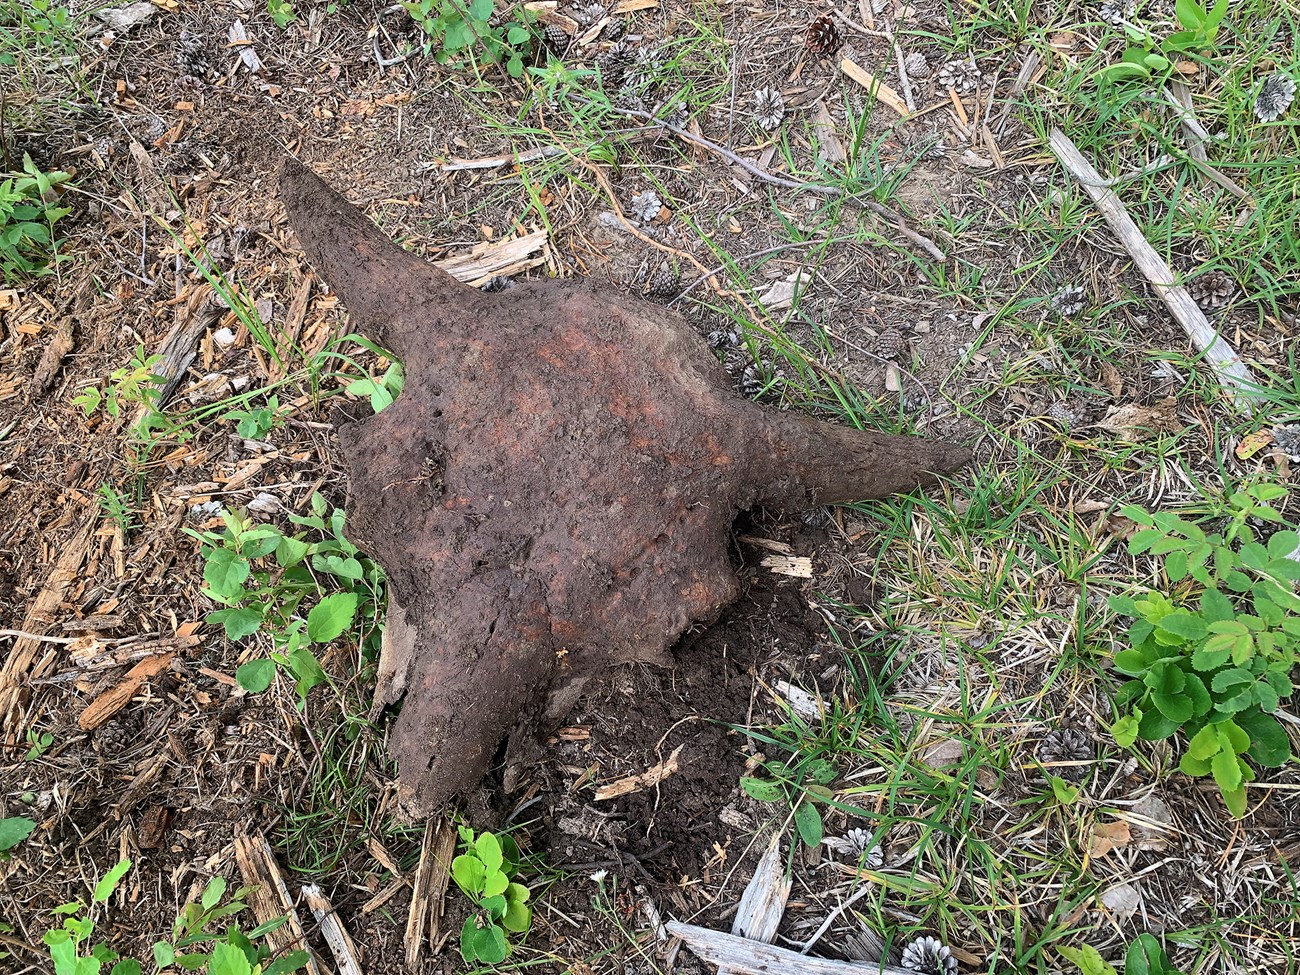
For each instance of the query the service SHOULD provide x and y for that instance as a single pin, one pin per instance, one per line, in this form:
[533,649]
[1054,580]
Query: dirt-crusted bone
[551,495]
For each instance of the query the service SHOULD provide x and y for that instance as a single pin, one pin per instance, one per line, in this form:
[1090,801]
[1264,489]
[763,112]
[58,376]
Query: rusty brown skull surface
[552,493]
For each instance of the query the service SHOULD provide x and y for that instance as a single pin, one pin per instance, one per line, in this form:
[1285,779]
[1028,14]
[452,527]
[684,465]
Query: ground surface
[940,640]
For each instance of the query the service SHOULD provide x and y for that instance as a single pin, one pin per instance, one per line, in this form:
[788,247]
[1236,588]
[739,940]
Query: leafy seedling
[483,874]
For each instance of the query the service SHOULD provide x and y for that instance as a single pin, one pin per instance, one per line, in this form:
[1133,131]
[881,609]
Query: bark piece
[269,897]
[553,492]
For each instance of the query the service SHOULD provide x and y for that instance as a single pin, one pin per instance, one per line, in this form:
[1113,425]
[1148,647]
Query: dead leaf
[1111,377]
[1107,837]
[1253,443]
[781,294]
[1141,422]
[1122,900]
[829,147]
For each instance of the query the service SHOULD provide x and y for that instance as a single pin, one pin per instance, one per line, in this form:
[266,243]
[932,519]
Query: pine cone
[1069,301]
[760,377]
[556,37]
[889,344]
[664,282]
[1287,440]
[616,28]
[1212,290]
[646,206]
[917,65]
[496,283]
[647,64]
[963,77]
[1064,415]
[769,109]
[192,55]
[823,37]
[1275,96]
[1066,745]
[1117,11]
[588,14]
[929,956]
[723,339]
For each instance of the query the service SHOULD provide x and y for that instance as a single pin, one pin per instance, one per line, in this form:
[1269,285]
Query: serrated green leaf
[256,675]
[225,571]
[1194,766]
[1130,662]
[1230,677]
[1227,770]
[13,830]
[331,616]
[238,622]
[1088,959]
[1269,744]
[1183,624]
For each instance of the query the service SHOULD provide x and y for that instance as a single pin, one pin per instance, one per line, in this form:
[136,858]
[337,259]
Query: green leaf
[238,622]
[331,616]
[821,771]
[1227,770]
[108,883]
[213,892]
[1176,566]
[1216,607]
[1064,792]
[517,35]
[491,945]
[1194,766]
[495,905]
[1269,744]
[1130,662]
[480,9]
[256,675]
[1204,743]
[1125,731]
[809,823]
[469,875]
[1230,677]
[1235,800]
[515,66]
[495,882]
[518,917]
[1155,726]
[469,940]
[13,830]
[1145,957]
[517,893]
[227,959]
[1198,695]
[127,966]
[764,790]
[1088,959]
[291,962]
[290,551]
[163,954]
[225,572]
[1183,624]
[488,848]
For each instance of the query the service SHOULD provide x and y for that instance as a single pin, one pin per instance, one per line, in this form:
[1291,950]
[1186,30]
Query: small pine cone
[889,344]
[929,956]
[1064,415]
[760,377]
[1069,301]
[1212,290]
[664,282]
[646,206]
[1287,440]
[723,339]
[1066,745]
[769,109]
[1117,11]
[192,55]
[823,37]
[112,738]
[616,28]
[1275,96]
[962,76]
[815,518]
[647,64]
[588,13]
[917,65]
[556,37]
[498,282]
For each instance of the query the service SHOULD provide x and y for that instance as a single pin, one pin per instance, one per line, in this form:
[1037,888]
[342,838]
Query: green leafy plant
[456,29]
[1146,58]
[28,213]
[228,952]
[282,13]
[799,786]
[1144,957]
[135,383]
[264,578]
[117,507]
[483,873]
[1216,660]
[380,390]
[257,423]
[13,830]
[38,743]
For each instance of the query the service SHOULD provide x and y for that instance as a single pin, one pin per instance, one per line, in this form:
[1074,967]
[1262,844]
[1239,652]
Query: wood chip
[882,92]
[510,255]
[332,930]
[798,566]
[115,698]
[645,780]
[240,40]
[20,663]
[269,897]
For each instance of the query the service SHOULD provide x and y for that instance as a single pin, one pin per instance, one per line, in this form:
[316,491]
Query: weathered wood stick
[755,958]
[1232,372]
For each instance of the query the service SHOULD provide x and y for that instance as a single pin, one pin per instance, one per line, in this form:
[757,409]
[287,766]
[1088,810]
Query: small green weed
[264,577]
[228,953]
[282,13]
[456,30]
[28,213]
[27,25]
[1148,58]
[117,508]
[1215,659]
[38,743]
[483,874]
[257,423]
[135,383]
[1144,957]
[799,786]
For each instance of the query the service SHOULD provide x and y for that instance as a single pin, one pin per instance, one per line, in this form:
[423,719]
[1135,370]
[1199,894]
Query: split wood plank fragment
[644,780]
[269,897]
[431,878]
[119,696]
[332,929]
[878,88]
[746,957]
[1227,365]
